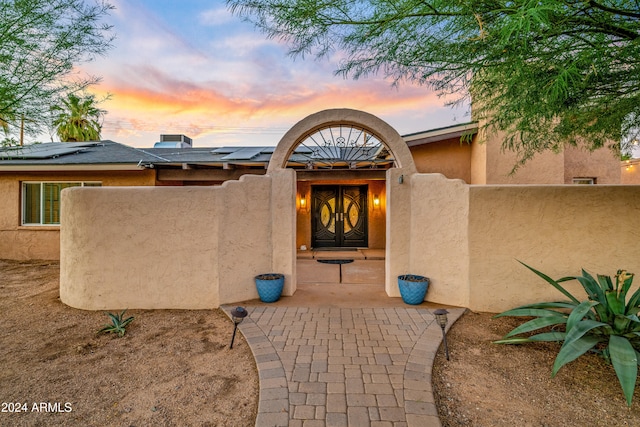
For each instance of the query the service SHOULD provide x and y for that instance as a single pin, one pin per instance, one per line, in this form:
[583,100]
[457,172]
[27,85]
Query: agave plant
[605,323]
[118,324]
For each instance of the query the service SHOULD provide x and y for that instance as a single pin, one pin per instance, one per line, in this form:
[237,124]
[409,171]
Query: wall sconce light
[303,202]
[237,315]
[376,201]
[401,179]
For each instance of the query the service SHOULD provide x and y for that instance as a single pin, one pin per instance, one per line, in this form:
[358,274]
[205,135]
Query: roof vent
[174,141]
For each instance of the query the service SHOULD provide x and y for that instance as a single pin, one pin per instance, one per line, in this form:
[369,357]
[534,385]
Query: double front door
[339,216]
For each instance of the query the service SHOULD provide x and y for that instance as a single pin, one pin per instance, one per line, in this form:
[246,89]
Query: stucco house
[184,227]
[32,177]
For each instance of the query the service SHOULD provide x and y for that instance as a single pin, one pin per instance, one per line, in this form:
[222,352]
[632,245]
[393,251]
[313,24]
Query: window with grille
[41,201]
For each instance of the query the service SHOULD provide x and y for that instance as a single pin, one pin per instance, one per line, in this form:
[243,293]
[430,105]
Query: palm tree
[78,119]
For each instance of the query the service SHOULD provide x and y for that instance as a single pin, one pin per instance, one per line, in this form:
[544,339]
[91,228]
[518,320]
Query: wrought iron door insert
[339,216]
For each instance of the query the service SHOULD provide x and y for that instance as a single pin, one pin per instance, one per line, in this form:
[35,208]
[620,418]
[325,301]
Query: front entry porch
[367,266]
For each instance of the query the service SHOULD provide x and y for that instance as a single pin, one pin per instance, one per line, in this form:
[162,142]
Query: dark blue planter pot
[413,288]
[269,286]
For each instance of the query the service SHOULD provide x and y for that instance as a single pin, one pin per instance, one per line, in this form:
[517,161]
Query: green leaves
[546,73]
[554,283]
[78,119]
[41,44]
[606,320]
[570,351]
[118,324]
[625,363]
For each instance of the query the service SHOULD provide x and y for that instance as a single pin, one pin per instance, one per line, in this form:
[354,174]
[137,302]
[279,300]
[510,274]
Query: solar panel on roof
[303,149]
[43,151]
[244,153]
[224,150]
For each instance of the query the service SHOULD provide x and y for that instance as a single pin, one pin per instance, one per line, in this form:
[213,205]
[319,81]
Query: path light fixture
[441,318]
[237,315]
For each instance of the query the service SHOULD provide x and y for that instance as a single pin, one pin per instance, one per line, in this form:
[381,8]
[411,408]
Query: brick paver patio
[344,366]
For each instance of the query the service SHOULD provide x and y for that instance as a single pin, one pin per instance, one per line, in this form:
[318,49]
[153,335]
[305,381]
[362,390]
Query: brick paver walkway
[344,367]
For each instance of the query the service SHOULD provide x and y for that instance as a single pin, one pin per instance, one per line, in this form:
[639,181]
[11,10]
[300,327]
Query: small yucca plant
[118,324]
[605,323]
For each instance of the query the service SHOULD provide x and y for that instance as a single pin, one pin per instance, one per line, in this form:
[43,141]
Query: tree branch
[620,12]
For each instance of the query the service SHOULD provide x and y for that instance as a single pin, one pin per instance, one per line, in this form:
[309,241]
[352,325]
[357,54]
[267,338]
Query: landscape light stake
[441,318]
[237,315]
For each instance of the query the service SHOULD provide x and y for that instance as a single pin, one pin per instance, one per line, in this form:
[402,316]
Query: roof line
[150,154]
[438,130]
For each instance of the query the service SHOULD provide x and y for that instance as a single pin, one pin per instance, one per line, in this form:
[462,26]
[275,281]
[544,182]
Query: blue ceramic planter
[413,288]
[269,286]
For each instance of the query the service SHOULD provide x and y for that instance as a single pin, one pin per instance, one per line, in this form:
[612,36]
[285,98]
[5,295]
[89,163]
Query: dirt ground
[175,368]
[487,384]
[172,367]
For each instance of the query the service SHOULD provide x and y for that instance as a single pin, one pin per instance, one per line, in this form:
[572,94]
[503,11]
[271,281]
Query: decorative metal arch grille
[340,147]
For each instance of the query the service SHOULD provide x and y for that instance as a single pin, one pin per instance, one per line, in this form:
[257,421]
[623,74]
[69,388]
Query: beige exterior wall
[484,162]
[555,229]
[439,248]
[43,242]
[544,168]
[478,160]
[121,250]
[451,158]
[602,164]
[165,247]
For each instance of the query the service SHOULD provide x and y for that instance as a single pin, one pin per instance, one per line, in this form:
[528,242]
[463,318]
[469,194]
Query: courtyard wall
[164,247]
[199,247]
[556,229]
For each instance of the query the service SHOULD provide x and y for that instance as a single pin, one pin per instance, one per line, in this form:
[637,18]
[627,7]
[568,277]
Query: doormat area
[335,249]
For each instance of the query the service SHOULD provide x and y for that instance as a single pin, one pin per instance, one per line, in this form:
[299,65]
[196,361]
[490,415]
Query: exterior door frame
[339,216]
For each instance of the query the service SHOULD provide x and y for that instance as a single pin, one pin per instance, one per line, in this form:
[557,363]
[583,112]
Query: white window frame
[584,181]
[41,214]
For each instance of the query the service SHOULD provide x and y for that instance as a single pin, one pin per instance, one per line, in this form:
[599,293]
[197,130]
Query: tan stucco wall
[602,164]
[165,247]
[43,242]
[556,229]
[438,248]
[544,168]
[398,240]
[478,159]
[451,158]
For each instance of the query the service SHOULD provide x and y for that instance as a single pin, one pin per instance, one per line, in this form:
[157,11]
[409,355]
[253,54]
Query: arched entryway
[345,175]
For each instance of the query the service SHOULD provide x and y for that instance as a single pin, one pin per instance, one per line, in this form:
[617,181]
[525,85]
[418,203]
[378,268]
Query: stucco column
[283,226]
[397,258]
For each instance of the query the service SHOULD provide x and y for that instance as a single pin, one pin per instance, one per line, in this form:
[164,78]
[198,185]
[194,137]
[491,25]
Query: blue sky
[191,67]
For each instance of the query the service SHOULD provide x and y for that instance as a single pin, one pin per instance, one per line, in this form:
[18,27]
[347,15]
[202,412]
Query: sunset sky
[191,67]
